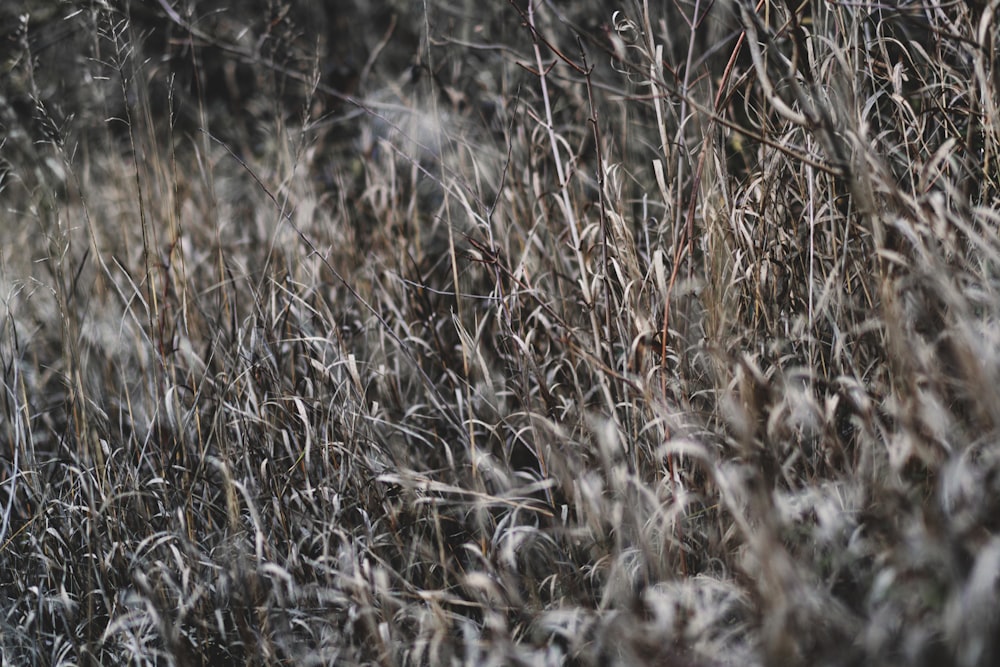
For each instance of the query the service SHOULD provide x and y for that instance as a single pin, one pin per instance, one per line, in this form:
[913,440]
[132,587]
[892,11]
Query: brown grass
[500,335]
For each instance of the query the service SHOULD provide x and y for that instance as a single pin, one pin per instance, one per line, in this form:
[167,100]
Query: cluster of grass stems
[550,336]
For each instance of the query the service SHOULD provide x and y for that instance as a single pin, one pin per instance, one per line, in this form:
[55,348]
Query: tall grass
[430,333]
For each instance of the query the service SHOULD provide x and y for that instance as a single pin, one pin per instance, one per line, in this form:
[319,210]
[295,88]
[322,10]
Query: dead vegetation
[500,335]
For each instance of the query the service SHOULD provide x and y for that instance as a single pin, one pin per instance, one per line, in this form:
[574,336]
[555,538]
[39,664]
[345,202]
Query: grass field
[433,333]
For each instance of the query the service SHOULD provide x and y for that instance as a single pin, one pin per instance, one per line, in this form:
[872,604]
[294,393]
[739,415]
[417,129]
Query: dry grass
[500,335]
